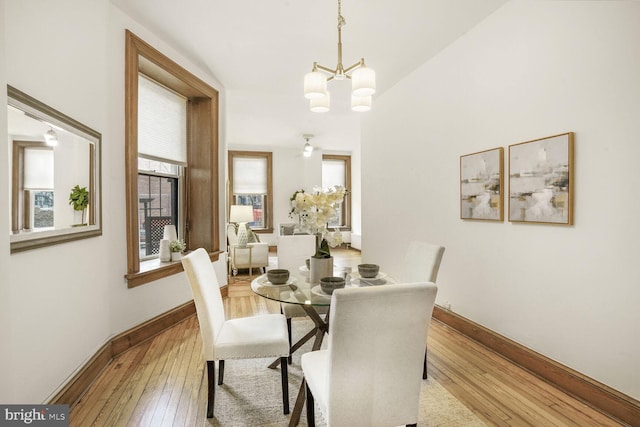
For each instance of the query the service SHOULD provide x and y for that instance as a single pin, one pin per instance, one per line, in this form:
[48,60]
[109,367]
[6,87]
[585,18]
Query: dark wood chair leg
[284,371]
[220,372]
[311,416]
[424,367]
[290,358]
[211,379]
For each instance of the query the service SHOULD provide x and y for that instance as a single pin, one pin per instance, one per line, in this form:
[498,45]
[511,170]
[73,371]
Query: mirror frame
[31,240]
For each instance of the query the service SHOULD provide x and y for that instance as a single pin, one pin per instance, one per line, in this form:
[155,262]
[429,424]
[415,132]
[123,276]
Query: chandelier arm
[353,67]
[327,69]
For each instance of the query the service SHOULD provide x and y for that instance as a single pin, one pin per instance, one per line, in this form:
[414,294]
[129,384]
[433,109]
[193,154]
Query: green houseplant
[176,247]
[79,199]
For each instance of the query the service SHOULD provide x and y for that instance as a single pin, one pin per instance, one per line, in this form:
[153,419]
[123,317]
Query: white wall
[60,304]
[5,291]
[532,69]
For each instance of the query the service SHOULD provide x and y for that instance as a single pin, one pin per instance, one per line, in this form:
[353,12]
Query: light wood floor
[162,383]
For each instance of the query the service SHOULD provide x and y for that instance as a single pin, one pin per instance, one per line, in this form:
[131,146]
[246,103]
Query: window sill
[262,230]
[153,270]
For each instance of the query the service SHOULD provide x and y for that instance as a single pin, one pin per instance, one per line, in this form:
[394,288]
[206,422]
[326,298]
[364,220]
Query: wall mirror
[51,155]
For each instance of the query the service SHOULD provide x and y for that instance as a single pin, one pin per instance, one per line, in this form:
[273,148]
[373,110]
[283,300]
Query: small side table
[233,270]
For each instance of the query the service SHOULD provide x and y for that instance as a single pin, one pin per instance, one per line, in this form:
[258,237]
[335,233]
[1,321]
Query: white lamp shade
[241,213]
[321,105]
[363,82]
[360,103]
[315,85]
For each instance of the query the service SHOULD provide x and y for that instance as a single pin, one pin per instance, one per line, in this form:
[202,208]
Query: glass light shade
[315,85]
[321,105]
[360,103]
[363,82]
[308,148]
[51,138]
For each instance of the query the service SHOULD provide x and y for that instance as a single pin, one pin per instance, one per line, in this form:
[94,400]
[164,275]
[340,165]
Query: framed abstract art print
[541,180]
[481,182]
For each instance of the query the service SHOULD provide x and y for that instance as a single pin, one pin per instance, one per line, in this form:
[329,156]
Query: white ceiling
[260,50]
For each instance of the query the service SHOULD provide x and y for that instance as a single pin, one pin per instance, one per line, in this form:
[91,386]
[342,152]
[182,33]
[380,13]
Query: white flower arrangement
[177,246]
[314,211]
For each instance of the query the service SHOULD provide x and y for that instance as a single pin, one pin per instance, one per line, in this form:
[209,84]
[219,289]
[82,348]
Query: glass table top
[298,290]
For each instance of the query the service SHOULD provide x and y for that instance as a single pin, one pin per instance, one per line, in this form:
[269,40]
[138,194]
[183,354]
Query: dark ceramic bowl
[278,276]
[368,271]
[330,284]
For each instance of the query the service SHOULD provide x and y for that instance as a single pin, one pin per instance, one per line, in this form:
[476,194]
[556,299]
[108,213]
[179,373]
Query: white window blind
[249,175]
[38,169]
[162,123]
[333,173]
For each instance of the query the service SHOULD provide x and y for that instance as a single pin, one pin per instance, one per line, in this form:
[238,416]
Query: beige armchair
[239,257]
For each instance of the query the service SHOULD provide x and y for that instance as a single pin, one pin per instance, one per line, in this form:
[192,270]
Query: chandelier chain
[363,86]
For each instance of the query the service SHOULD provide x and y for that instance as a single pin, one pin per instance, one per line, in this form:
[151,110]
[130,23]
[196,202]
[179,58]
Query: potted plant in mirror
[176,247]
[79,199]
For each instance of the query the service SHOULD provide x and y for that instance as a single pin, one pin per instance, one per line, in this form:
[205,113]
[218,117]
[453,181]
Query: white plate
[356,275]
[265,281]
[317,290]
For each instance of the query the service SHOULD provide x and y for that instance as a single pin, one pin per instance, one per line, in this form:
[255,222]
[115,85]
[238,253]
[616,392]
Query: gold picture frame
[481,184]
[541,182]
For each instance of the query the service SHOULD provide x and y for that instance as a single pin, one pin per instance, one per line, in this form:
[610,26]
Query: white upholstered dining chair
[243,338]
[422,263]
[369,375]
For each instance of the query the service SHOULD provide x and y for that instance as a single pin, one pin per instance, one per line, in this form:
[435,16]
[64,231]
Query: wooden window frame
[201,202]
[268,215]
[346,205]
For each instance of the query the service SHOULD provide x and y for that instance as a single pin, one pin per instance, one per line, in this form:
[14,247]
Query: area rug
[252,396]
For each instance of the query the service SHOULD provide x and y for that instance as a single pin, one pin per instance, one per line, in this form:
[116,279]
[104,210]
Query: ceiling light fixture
[363,79]
[51,138]
[308,148]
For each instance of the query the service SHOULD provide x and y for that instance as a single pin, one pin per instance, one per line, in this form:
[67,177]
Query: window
[34,186]
[158,206]
[250,174]
[171,164]
[336,170]
[162,155]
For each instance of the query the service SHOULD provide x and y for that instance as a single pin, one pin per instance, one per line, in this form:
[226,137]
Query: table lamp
[241,214]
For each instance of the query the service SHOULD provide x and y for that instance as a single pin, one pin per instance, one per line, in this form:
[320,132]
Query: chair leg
[284,371]
[220,372]
[412,425]
[290,358]
[211,375]
[311,416]
[424,367]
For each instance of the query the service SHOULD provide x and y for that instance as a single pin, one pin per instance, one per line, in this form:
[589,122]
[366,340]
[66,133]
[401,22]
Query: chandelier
[363,79]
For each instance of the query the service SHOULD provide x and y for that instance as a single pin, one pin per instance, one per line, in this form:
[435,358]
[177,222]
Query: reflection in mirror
[51,155]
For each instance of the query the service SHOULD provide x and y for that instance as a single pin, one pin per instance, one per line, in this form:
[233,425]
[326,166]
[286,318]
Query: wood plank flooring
[161,382]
